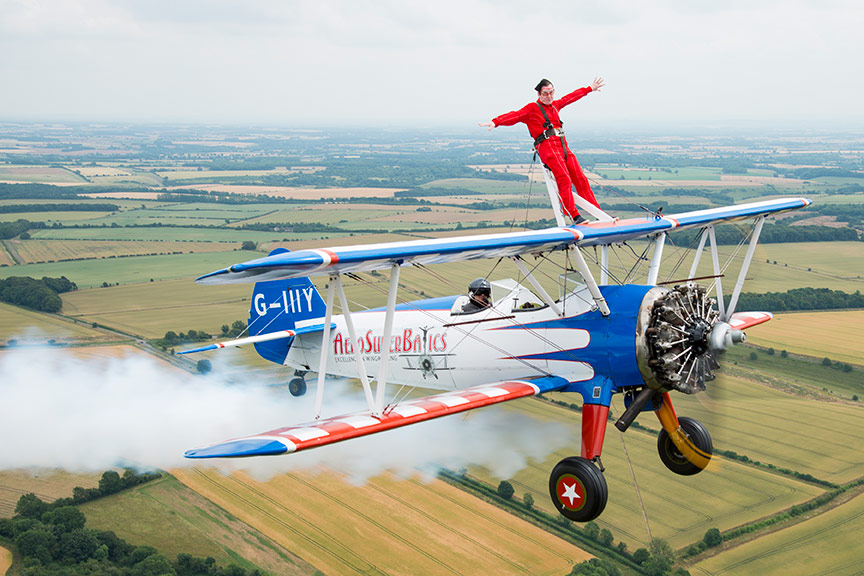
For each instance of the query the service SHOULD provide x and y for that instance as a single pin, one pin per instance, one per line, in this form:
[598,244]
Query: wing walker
[595,339]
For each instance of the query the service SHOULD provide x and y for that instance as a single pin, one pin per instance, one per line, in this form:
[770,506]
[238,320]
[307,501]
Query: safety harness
[550,132]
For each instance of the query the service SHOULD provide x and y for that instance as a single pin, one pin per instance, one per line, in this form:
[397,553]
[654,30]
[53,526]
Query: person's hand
[596,84]
[489,125]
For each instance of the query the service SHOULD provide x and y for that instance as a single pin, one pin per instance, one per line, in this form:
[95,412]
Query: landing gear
[578,489]
[672,457]
[297,386]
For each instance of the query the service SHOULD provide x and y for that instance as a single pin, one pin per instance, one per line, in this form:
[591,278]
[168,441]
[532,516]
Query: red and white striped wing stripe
[332,430]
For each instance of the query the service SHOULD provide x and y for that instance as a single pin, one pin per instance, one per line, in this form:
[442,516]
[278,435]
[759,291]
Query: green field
[803,375]
[92,273]
[613,172]
[173,519]
[35,250]
[481,185]
[826,544]
[39,174]
[70,217]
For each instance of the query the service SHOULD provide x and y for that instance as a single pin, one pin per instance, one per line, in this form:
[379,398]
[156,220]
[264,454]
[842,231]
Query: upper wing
[380,256]
[332,430]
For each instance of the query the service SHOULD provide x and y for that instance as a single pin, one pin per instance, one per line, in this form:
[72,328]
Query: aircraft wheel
[297,386]
[578,489]
[672,457]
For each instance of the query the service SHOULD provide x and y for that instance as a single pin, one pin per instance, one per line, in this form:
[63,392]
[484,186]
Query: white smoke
[58,410]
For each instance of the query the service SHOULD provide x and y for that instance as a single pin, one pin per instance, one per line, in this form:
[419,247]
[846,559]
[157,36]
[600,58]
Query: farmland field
[48,485]
[36,327]
[826,544]
[680,509]
[36,250]
[5,560]
[41,174]
[173,519]
[407,520]
[70,217]
[178,234]
[819,438]
[836,335]
[92,273]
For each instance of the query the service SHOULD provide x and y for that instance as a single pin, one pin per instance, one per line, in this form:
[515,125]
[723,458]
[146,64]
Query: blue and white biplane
[595,339]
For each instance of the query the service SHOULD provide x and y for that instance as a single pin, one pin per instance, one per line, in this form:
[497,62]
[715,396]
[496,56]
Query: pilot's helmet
[480,287]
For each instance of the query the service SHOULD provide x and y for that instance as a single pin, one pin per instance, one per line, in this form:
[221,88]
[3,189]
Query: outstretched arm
[489,125]
[577,94]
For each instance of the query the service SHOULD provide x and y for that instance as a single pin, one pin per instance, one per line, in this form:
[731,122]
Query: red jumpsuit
[554,152]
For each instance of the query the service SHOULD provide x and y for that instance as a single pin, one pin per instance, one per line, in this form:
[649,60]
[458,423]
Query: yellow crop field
[36,327]
[5,257]
[38,250]
[5,560]
[826,544]
[679,508]
[40,174]
[386,526]
[819,438]
[836,335]
[48,485]
[151,309]
[173,519]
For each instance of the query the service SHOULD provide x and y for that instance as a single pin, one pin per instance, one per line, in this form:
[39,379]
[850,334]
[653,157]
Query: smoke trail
[59,410]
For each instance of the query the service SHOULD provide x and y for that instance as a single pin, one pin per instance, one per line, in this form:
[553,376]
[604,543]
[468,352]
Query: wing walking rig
[597,340]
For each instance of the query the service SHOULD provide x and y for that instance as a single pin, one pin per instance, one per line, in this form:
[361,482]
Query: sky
[447,63]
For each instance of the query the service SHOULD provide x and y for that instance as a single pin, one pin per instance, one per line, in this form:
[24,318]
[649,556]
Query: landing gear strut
[578,489]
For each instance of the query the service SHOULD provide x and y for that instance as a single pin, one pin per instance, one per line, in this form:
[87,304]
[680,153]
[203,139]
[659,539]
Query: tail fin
[279,305]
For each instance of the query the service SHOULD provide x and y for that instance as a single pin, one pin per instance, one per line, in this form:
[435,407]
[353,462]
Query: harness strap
[550,131]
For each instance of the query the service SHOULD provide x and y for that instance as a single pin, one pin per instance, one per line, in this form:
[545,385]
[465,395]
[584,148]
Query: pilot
[479,296]
[544,125]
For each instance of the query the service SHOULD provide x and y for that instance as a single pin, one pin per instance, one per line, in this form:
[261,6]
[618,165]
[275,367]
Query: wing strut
[702,238]
[358,356]
[388,332]
[540,290]
[604,265]
[745,266]
[654,267]
[599,300]
[721,305]
[325,350]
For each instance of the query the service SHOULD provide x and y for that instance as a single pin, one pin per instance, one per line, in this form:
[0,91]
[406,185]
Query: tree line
[800,299]
[13,208]
[41,295]
[52,539]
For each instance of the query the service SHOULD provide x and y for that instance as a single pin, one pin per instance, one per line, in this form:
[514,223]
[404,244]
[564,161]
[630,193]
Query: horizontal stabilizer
[278,335]
[363,258]
[332,430]
[744,320]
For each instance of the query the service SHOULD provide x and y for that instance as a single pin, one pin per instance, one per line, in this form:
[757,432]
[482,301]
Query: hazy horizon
[452,64]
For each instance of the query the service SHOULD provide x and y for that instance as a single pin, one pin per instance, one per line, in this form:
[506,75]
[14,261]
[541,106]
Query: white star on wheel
[570,492]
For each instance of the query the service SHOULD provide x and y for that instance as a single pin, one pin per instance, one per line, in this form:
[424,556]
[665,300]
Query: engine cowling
[679,336]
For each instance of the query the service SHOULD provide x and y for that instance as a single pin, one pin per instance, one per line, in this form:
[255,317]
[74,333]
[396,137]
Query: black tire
[297,387]
[587,485]
[672,457]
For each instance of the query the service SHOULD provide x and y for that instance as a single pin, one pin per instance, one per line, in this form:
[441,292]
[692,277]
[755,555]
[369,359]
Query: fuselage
[435,346]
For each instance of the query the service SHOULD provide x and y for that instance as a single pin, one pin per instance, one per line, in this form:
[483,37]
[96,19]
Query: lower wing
[332,430]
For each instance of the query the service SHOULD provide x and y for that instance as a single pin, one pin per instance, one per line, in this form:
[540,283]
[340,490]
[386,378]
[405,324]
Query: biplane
[596,338]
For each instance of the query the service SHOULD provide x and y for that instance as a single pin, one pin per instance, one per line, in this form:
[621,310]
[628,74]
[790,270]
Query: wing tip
[241,449]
